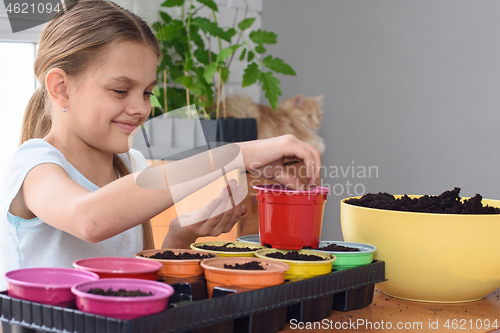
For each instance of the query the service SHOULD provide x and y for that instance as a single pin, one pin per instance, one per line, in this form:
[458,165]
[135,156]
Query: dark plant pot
[176,138]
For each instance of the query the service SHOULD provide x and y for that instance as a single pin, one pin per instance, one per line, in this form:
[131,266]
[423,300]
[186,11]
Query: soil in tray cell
[339,248]
[120,292]
[448,202]
[295,256]
[226,248]
[180,256]
[252,266]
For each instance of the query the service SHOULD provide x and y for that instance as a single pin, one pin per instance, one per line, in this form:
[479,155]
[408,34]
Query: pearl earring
[63,110]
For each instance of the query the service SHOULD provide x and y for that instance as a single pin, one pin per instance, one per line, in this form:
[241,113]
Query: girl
[68,192]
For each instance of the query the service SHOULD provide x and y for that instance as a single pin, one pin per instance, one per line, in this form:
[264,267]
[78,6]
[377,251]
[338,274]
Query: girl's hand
[264,158]
[214,220]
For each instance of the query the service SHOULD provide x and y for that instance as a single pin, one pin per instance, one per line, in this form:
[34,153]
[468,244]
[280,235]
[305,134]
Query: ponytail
[36,121]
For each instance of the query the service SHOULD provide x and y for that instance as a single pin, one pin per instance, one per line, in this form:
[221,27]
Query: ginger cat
[299,115]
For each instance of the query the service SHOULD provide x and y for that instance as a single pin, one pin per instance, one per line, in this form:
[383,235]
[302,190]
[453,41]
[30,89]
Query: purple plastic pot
[47,285]
[123,307]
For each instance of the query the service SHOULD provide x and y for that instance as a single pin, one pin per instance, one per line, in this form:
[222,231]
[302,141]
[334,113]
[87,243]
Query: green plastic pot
[346,260]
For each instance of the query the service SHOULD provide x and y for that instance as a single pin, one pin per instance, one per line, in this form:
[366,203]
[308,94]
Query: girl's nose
[139,106]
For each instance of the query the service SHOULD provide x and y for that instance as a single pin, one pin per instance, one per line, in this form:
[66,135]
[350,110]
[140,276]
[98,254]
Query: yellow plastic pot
[302,269]
[443,258]
[195,246]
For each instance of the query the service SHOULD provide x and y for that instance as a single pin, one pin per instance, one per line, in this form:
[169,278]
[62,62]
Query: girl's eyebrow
[131,81]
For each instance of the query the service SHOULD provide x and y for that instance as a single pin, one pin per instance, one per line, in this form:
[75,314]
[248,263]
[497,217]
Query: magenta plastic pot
[290,219]
[47,285]
[123,307]
[120,267]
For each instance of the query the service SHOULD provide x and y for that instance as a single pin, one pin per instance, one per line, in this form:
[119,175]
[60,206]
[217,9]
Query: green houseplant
[195,73]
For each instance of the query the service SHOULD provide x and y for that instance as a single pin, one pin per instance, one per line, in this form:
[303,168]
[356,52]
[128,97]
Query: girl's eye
[148,93]
[121,92]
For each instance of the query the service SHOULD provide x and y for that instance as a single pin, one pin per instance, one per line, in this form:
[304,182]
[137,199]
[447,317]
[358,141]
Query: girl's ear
[56,83]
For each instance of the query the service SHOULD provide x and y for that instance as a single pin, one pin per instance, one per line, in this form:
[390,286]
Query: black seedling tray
[263,310]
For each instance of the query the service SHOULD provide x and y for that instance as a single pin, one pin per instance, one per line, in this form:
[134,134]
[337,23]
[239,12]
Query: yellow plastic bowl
[302,269]
[194,246]
[445,258]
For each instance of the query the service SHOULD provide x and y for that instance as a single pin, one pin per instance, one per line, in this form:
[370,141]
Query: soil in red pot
[120,292]
[252,265]
[181,256]
[448,202]
[295,256]
[339,248]
[226,248]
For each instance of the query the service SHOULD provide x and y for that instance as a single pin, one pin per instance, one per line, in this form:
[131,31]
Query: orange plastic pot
[289,219]
[218,276]
[173,268]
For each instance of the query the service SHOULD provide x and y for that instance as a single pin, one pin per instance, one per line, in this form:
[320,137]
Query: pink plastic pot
[120,267]
[123,307]
[47,285]
[290,219]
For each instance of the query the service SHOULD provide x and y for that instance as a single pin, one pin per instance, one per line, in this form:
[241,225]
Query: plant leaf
[209,72]
[188,65]
[261,37]
[211,27]
[231,32]
[246,23]
[155,102]
[242,55]
[224,54]
[224,73]
[252,74]
[170,31]
[165,17]
[187,81]
[210,4]
[251,55]
[202,56]
[260,49]
[278,65]
[172,3]
[270,85]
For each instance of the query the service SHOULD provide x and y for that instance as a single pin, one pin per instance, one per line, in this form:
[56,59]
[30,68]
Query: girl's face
[112,98]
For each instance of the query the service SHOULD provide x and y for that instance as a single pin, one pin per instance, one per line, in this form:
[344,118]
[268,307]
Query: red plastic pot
[290,219]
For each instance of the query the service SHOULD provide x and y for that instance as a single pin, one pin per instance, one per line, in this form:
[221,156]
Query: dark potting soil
[339,248]
[120,292]
[181,256]
[448,202]
[294,255]
[251,266]
[226,248]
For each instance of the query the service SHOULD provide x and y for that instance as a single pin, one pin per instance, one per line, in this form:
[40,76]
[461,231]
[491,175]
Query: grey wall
[411,87]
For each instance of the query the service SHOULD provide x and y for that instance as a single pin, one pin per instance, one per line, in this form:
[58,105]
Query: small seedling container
[47,285]
[302,269]
[218,276]
[120,267]
[346,260]
[123,307]
[290,219]
[196,246]
[176,270]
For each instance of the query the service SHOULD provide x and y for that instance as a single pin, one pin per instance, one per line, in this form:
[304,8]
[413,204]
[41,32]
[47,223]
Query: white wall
[412,87]
[17,84]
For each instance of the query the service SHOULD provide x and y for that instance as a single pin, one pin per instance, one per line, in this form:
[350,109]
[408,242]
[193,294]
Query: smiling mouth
[125,126]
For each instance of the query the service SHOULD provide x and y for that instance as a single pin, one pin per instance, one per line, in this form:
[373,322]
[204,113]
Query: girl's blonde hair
[73,41]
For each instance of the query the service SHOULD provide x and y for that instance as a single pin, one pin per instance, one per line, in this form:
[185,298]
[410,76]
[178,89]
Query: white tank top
[34,243]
